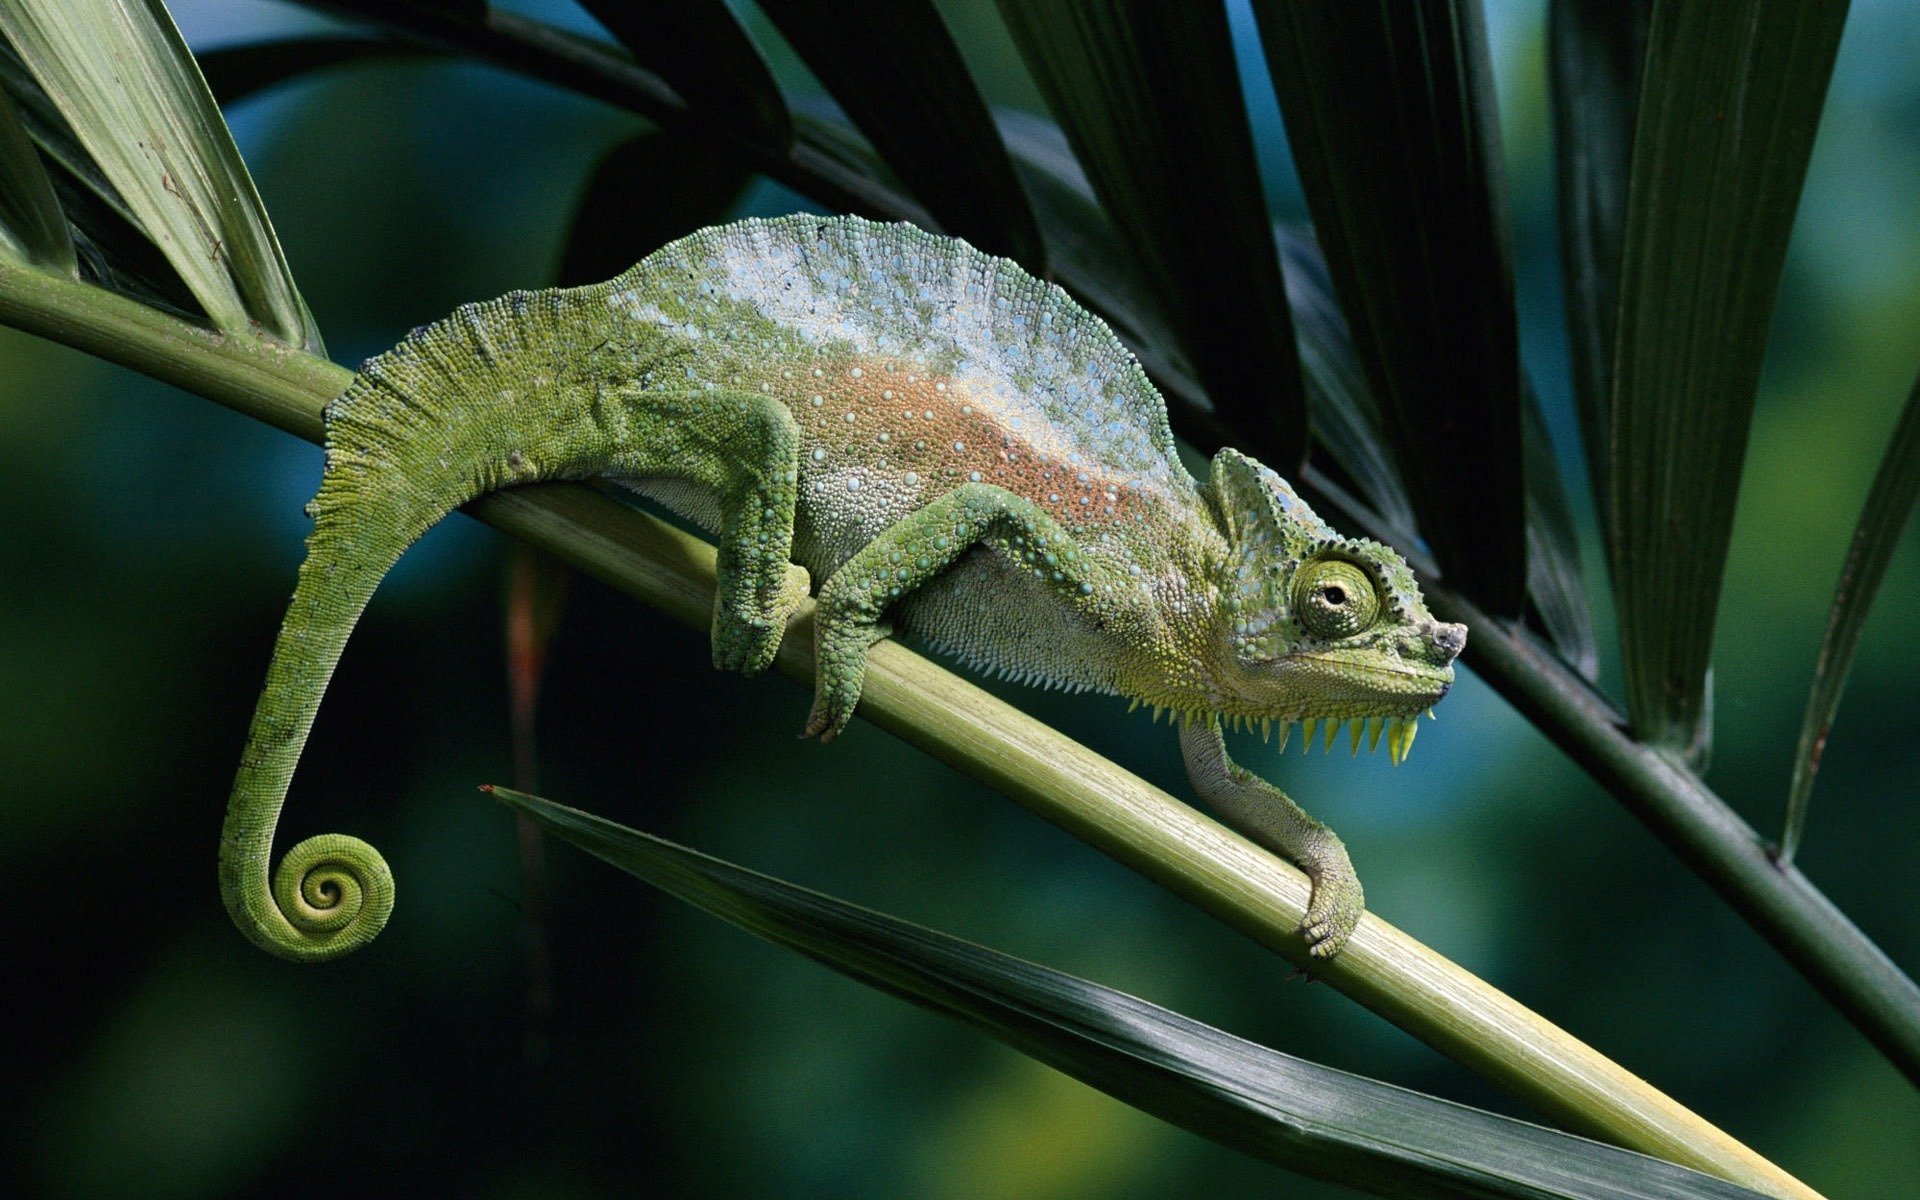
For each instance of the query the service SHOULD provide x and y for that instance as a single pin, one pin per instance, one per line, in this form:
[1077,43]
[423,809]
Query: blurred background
[151,539]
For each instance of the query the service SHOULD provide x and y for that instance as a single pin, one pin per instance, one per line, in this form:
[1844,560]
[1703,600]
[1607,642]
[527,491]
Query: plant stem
[930,708]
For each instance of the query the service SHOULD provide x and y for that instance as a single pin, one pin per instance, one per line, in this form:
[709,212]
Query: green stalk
[929,707]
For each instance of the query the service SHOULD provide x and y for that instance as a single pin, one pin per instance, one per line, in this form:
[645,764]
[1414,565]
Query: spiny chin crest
[1400,731]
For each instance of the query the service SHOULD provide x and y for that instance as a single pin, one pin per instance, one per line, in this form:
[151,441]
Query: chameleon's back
[913,363]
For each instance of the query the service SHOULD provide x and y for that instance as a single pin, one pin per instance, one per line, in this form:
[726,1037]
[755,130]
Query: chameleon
[949,446]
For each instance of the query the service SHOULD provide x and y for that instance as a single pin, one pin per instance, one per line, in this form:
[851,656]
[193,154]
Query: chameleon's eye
[1335,599]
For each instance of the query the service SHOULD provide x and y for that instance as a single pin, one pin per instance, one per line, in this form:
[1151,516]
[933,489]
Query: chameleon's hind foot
[840,666]
[1333,910]
[747,641]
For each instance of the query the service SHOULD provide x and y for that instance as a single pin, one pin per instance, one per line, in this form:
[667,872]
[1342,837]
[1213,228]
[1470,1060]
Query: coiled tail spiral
[460,408]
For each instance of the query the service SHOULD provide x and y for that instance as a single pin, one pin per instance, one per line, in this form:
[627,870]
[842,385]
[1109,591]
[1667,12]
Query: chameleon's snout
[1448,638]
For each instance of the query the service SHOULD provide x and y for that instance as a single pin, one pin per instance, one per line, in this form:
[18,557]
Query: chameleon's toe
[1332,913]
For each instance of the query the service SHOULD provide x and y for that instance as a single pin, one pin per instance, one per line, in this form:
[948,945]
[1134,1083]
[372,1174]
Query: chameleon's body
[944,443]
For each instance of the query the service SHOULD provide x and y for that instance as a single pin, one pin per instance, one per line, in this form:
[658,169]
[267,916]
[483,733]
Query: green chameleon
[953,447]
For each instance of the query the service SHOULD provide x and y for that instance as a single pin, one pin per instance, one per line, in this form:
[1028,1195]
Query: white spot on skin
[817,401]
[853,485]
[856,372]
[819,455]
[974,476]
[849,418]
[913,477]
[959,446]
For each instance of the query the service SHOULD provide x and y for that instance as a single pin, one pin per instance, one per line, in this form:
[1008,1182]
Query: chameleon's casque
[947,445]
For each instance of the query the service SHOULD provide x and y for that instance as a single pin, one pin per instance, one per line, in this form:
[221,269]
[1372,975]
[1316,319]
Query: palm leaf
[921,111]
[1308,1118]
[1882,519]
[645,192]
[1149,97]
[699,47]
[1389,114]
[33,229]
[1730,99]
[120,75]
[1596,48]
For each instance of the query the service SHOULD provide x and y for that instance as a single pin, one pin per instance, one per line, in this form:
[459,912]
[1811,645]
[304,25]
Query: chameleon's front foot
[1335,905]
[1264,813]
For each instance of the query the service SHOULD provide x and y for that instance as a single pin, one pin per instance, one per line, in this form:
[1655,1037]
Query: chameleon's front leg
[853,602]
[1264,813]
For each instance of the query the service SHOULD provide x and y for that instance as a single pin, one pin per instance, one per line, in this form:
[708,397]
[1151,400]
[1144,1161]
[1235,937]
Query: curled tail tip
[330,895]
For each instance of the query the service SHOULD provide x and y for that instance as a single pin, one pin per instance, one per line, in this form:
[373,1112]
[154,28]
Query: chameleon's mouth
[1323,690]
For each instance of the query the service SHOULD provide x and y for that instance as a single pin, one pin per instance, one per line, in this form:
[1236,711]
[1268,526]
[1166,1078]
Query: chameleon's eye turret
[1335,599]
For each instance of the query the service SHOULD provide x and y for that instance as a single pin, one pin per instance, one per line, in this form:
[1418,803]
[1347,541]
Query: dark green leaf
[1882,519]
[32,227]
[126,85]
[1088,257]
[1731,97]
[236,72]
[1303,1116]
[1149,97]
[1596,50]
[1390,117]
[1556,587]
[922,112]
[645,192]
[699,47]
[1345,418]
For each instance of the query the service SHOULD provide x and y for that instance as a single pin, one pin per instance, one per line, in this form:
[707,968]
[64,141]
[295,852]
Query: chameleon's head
[1314,626]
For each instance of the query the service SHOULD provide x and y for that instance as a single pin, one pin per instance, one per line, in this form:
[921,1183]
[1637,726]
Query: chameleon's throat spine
[462,407]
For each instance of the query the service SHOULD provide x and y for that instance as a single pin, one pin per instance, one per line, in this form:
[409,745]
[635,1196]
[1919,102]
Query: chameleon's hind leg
[1265,813]
[853,602]
[750,457]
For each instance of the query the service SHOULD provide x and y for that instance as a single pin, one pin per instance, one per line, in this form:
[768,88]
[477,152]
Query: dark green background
[150,541]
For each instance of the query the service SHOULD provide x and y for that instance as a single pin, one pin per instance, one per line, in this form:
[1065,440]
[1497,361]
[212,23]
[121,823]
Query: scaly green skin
[952,447]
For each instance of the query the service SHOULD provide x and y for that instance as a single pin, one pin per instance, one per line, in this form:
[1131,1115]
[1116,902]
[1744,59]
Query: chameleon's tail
[462,407]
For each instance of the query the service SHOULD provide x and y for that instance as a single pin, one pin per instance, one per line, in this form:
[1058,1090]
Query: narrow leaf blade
[1303,1116]
[1149,97]
[1389,113]
[1596,48]
[125,82]
[699,47]
[33,230]
[1346,420]
[1728,107]
[645,192]
[1556,586]
[921,110]
[1883,518]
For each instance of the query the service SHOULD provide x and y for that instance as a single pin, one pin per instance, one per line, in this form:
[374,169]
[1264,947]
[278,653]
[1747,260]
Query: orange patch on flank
[912,421]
